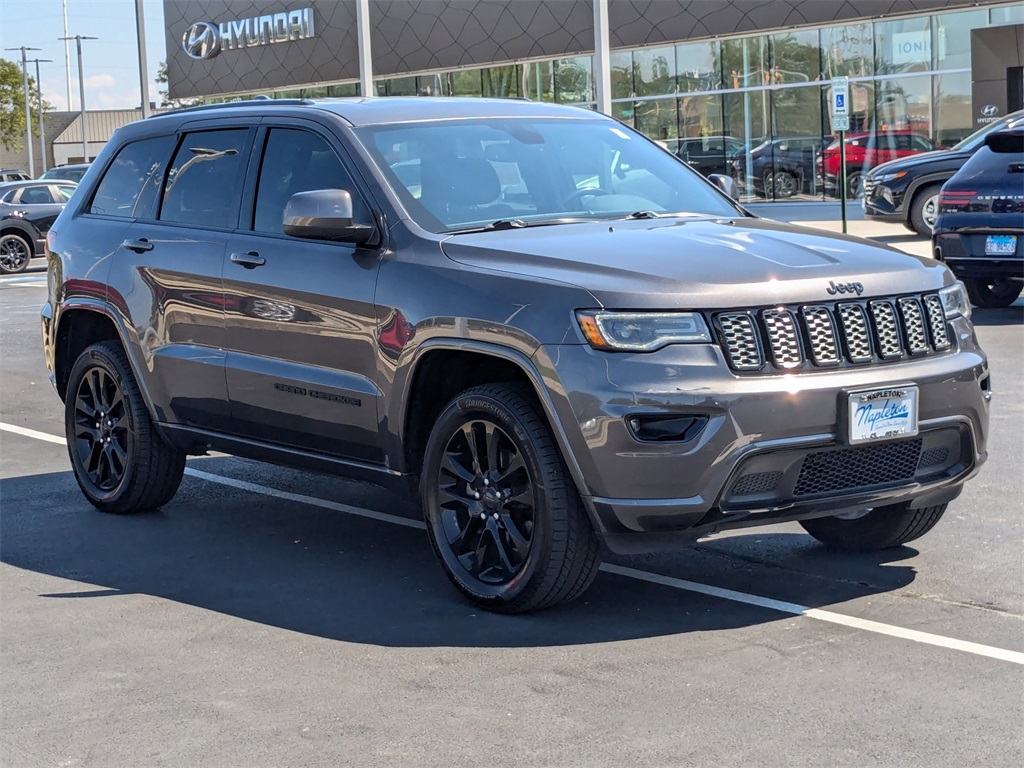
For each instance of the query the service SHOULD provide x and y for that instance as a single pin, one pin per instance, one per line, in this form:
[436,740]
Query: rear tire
[120,462]
[15,254]
[923,210]
[881,528]
[503,516]
[992,294]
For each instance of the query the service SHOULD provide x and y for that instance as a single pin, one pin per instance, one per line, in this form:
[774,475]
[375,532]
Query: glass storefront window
[397,86]
[538,81]
[953,38]
[654,71]
[952,108]
[904,104]
[904,45]
[796,58]
[700,115]
[698,67]
[621,72]
[797,111]
[847,51]
[573,79]
[501,82]
[344,89]
[745,62]
[466,82]
[1012,14]
[657,118]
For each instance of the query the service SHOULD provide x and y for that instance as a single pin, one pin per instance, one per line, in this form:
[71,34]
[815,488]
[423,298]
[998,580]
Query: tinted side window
[205,179]
[297,161]
[66,193]
[138,168]
[36,196]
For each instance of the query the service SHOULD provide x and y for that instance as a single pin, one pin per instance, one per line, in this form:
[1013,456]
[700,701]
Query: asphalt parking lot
[268,617]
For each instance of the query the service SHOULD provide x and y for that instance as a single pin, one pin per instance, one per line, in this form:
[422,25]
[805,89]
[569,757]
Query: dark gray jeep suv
[549,326]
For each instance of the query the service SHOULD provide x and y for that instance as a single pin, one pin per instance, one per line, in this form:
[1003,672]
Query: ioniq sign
[206,39]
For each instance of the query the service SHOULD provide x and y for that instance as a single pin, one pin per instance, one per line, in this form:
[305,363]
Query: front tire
[880,528]
[502,514]
[992,294]
[15,253]
[923,210]
[120,462]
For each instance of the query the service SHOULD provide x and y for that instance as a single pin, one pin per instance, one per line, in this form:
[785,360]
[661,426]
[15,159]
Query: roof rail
[254,102]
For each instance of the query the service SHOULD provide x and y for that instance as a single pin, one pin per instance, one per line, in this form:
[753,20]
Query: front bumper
[643,495]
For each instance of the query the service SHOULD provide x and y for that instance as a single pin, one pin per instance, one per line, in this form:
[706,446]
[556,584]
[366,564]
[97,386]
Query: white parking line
[781,606]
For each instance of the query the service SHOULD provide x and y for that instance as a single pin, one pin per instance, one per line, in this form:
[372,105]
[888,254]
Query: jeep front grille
[822,335]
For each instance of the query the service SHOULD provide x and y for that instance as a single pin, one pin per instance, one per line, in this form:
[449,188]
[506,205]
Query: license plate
[1000,245]
[882,414]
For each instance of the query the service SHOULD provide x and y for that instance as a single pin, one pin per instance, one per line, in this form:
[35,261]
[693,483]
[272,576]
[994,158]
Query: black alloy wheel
[503,516]
[487,502]
[121,463]
[101,429]
[15,253]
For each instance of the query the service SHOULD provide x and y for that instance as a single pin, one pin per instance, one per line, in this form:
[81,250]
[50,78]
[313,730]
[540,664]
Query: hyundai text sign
[205,39]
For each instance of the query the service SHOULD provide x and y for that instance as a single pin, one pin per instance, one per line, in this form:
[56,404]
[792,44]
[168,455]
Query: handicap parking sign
[840,101]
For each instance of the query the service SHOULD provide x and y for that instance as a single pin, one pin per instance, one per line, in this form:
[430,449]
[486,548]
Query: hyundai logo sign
[204,39]
[201,40]
[990,110]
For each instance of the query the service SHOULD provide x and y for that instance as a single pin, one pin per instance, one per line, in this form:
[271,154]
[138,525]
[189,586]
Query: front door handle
[249,260]
[139,246]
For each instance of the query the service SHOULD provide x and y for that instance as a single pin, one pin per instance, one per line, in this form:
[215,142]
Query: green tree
[167,101]
[12,105]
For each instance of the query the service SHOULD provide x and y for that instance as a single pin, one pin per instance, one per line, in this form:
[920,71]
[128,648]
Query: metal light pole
[140,28]
[39,100]
[28,112]
[81,92]
[67,54]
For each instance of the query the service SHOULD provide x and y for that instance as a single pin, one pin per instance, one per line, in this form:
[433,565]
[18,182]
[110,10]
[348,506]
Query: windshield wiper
[507,224]
[520,223]
[645,215]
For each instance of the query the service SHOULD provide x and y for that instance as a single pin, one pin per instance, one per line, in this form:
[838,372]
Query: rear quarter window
[129,186]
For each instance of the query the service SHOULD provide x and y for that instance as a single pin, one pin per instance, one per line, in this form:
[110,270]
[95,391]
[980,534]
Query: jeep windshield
[459,175]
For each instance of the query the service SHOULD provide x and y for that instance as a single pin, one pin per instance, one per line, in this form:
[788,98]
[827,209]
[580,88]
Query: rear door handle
[249,260]
[139,246]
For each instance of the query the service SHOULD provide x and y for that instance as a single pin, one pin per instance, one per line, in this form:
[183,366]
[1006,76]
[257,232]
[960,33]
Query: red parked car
[863,152]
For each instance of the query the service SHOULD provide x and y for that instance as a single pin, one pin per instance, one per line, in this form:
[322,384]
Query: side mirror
[324,214]
[724,183]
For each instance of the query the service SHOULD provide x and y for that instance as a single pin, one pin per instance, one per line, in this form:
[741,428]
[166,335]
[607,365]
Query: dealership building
[713,75]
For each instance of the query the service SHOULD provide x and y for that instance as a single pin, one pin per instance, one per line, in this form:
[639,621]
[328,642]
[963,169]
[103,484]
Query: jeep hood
[697,263]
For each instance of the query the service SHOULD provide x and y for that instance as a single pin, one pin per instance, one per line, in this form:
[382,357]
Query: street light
[28,113]
[39,99]
[81,91]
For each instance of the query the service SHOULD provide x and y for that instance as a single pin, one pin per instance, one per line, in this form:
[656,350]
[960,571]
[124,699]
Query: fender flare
[22,228]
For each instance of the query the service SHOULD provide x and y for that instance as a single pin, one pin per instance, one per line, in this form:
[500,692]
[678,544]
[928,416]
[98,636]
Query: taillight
[48,247]
[956,198]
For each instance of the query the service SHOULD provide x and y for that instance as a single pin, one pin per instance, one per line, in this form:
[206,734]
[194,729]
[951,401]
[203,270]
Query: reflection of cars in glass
[553,330]
[27,209]
[979,230]
[781,167]
[863,152]
[70,172]
[707,154]
[906,190]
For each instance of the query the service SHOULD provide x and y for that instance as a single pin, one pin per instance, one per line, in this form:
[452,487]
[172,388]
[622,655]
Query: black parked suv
[781,167]
[27,209]
[979,232]
[553,331]
[906,190]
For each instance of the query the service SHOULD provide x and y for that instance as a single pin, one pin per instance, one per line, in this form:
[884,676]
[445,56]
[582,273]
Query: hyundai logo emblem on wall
[204,39]
[201,40]
[990,110]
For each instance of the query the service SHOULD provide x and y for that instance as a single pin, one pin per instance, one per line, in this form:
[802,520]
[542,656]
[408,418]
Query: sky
[111,63]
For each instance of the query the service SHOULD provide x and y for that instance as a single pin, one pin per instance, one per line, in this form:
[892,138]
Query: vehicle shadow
[1011,315]
[319,572]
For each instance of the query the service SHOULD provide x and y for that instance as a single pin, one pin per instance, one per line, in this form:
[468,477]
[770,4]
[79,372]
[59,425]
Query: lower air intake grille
[861,467]
[757,482]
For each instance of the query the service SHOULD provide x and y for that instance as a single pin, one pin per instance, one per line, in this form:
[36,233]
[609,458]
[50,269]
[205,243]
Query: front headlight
[641,331]
[889,177]
[955,302]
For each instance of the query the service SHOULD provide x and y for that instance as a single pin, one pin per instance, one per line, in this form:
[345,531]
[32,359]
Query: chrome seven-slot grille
[833,334]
